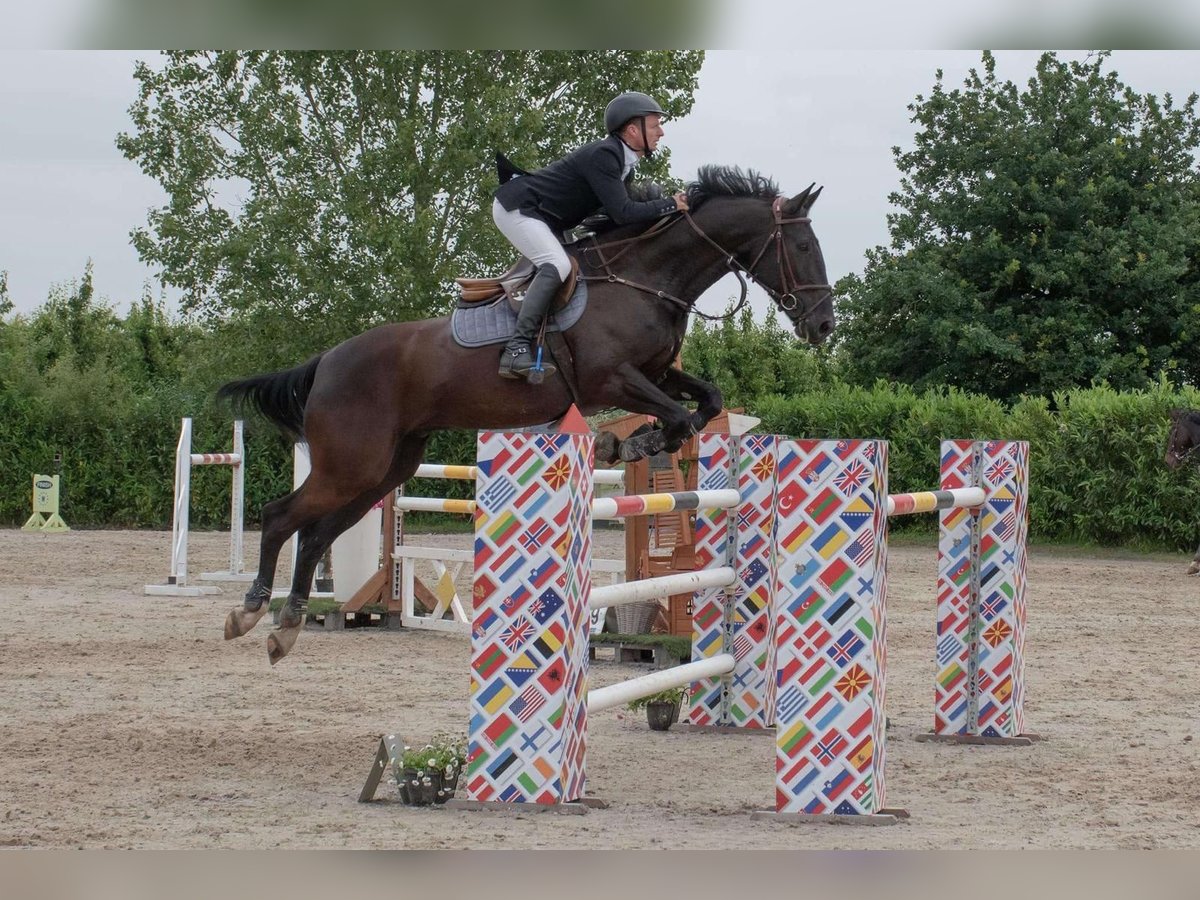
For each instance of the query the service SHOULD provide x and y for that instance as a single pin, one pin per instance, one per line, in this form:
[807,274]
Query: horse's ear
[803,201]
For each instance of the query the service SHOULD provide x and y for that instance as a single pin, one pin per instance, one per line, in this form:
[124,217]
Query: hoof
[1194,569]
[281,641]
[643,443]
[239,621]
[606,449]
[629,452]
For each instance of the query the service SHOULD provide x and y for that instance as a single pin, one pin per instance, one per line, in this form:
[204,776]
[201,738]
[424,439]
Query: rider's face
[654,133]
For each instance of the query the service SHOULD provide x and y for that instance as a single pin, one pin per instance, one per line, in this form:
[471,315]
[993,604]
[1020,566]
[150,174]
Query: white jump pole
[434,504]
[177,585]
[179,519]
[602,507]
[661,586]
[645,504]
[236,459]
[600,699]
[468,473]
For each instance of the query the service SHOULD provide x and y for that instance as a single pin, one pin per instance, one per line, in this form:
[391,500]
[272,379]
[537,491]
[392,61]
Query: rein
[787,299]
[657,229]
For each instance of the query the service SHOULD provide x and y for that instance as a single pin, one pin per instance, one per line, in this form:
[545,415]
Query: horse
[1183,439]
[367,407]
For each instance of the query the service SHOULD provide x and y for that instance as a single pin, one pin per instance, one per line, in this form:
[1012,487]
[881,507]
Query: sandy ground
[127,721]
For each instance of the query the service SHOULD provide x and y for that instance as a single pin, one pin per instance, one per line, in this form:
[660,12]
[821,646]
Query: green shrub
[1096,455]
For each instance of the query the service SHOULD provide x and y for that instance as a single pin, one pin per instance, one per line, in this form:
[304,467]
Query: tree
[1046,238]
[6,304]
[752,361]
[312,195]
[73,324]
[156,343]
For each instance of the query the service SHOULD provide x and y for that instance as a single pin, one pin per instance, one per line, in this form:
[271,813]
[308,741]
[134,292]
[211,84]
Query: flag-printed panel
[711,533]
[830,626]
[980,676]
[529,639]
[752,683]
[739,623]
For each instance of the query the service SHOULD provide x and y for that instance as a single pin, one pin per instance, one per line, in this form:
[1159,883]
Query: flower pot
[423,788]
[661,714]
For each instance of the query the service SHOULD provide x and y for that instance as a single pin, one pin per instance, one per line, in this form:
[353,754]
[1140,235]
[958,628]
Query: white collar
[631,159]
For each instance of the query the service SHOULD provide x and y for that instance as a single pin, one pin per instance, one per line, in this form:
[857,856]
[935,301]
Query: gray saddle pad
[494,323]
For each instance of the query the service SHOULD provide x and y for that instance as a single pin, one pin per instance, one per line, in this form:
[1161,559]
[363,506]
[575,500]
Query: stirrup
[521,362]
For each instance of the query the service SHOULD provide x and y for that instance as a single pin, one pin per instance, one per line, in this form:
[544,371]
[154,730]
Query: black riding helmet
[631,105]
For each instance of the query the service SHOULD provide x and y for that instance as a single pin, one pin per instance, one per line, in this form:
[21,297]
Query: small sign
[45,506]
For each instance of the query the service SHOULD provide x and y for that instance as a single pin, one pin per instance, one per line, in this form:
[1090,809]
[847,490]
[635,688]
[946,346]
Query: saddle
[512,284]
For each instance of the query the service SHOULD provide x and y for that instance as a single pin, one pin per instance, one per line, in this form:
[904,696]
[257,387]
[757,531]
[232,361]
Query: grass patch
[678,646]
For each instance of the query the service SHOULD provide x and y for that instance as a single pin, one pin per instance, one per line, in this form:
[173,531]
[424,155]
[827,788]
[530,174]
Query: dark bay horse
[1183,439]
[367,407]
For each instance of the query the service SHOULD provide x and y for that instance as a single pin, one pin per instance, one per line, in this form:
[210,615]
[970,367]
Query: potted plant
[429,774]
[662,708]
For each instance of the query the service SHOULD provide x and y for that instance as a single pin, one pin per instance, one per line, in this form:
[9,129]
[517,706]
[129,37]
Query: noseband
[785,299]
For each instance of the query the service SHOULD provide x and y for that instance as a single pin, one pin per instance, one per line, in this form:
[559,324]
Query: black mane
[729,181]
[711,181]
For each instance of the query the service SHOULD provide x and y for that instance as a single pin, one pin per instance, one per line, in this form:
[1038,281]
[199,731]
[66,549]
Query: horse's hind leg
[279,524]
[318,534]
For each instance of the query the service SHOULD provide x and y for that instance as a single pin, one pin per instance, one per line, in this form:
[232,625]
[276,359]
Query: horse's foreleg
[1194,568]
[679,385]
[607,449]
[641,395]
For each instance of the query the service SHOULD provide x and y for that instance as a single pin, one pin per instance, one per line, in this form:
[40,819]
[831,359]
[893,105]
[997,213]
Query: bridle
[786,299]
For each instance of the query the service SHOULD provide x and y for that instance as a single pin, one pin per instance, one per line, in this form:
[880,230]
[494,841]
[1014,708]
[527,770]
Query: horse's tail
[278,396]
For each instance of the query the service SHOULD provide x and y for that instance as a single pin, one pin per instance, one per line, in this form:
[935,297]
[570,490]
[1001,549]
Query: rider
[532,208]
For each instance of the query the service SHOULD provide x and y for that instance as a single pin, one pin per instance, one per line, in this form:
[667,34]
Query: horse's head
[798,282]
[1184,436]
[784,259]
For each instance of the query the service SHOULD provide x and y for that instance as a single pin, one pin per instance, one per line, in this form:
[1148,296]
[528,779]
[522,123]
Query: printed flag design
[529,644]
[748,463]
[830,593]
[984,694]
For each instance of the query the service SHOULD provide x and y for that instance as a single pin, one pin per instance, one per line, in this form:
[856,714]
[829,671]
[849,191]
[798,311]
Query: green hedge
[1096,456]
[118,460]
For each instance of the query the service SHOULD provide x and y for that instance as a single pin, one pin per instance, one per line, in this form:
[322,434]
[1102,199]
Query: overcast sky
[67,194]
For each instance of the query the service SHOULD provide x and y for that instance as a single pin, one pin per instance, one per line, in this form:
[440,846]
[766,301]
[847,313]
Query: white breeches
[532,238]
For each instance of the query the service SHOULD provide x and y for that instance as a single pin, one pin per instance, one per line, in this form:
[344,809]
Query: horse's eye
[803,246]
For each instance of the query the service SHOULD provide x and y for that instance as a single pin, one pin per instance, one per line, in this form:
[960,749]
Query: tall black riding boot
[518,359]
